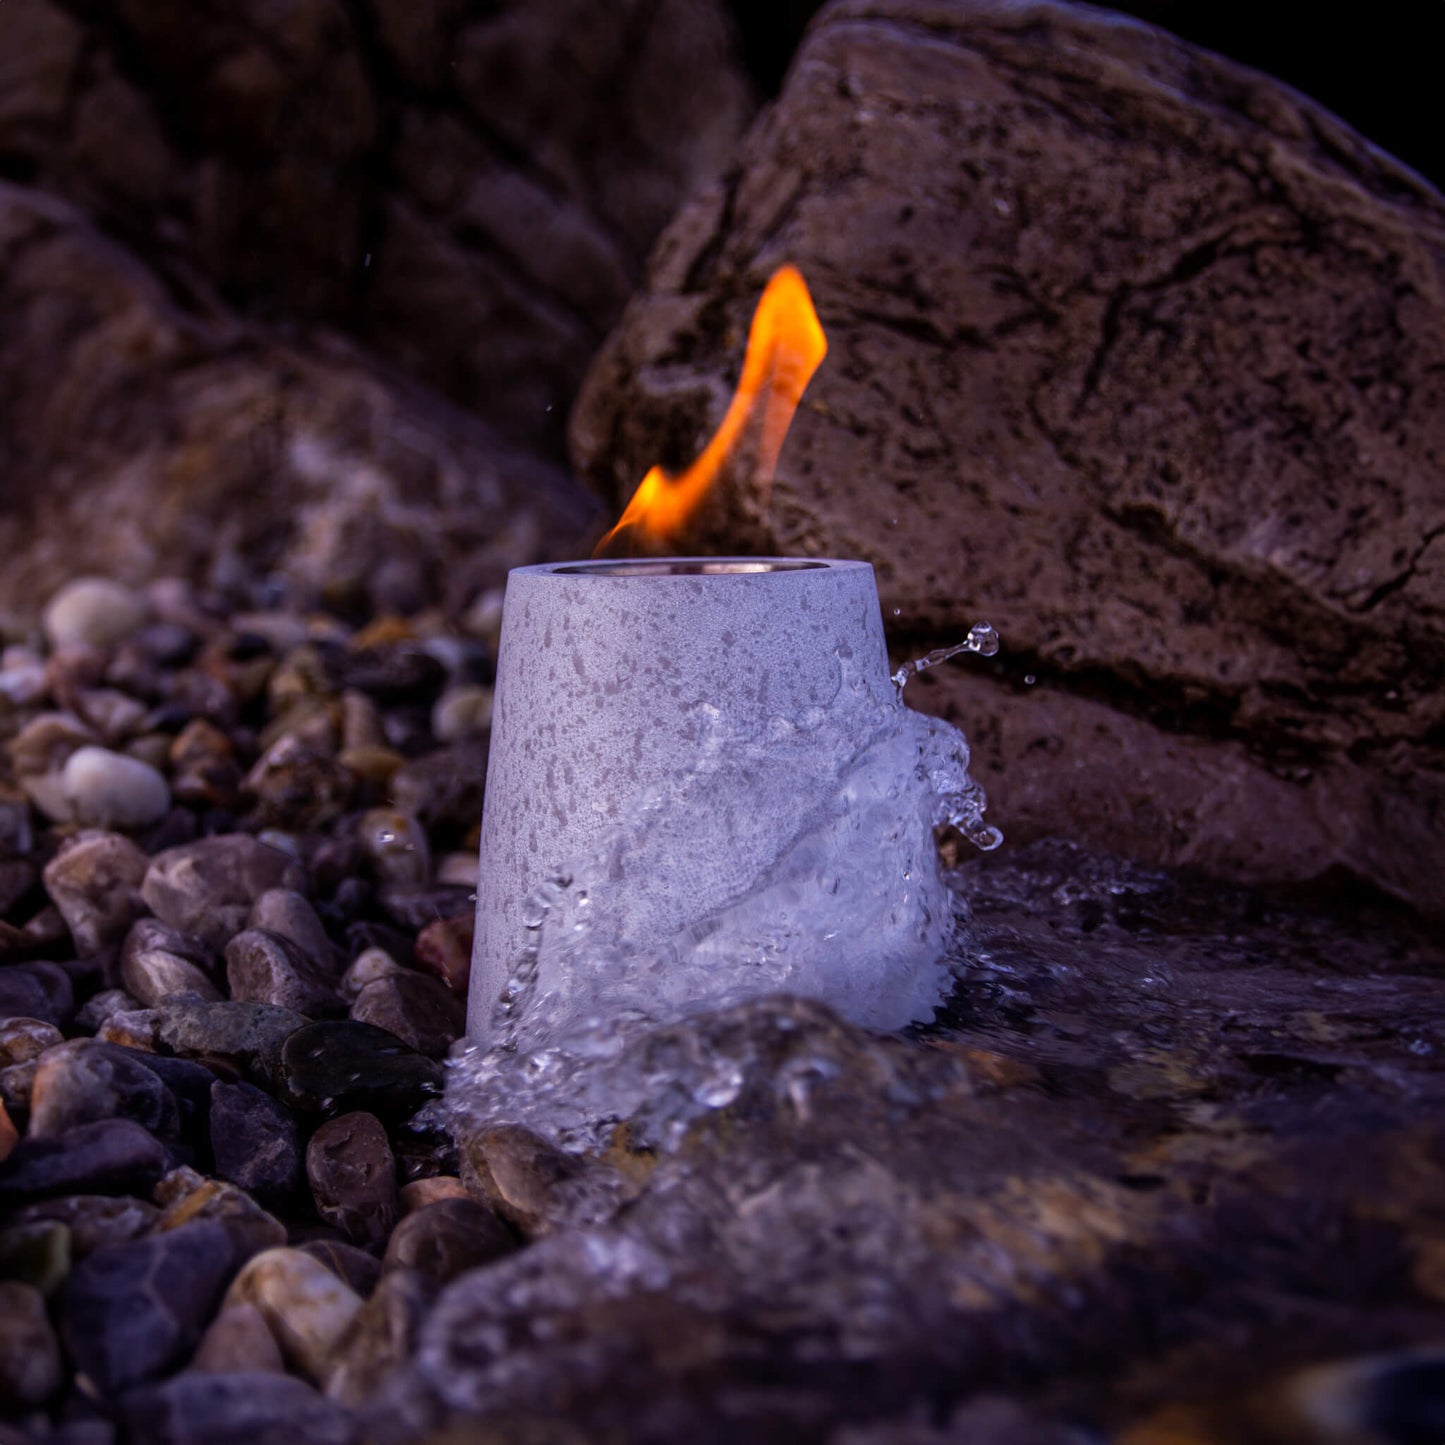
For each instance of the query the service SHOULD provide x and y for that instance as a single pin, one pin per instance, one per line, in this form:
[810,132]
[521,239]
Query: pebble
[242,1408]
[340,1065]
[95,882]
[203,766]
[305,1305]
[249,1227]
[421,1192]
[41,747]
[352,1173]
[238,1340]
[462,712]
[36,992]
[30,1365]
[37,1253]
[288,913]
[246,1034]
[114,1156]
[381,1338]
[417,1009]
[94,1220]
[298,786]
[396,845]
[9,1134]
[444,787]
[158,963]
[413,907]
[93,612]
[208,887]
[113,714]
[518,1173]
[368,966]
[23,1039]
[131,1311]
[255,1142]
[100,1008]
[110,790]
[357,1267]
[85,1081]
[444,1239]
[444,950]
[131,1028]
[264,967]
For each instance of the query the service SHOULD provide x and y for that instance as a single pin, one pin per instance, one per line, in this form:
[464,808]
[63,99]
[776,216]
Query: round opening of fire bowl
[688,567]
[685,750]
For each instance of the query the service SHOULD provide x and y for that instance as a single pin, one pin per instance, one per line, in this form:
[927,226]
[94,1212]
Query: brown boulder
[142,438]
[1134,352]
[473,192]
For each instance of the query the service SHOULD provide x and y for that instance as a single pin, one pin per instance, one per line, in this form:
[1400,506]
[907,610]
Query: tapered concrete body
[607,675]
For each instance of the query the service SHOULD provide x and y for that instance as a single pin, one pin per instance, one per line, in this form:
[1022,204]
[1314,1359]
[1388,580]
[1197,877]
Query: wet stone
[447,1238]
[114,1156]
[342,1065]
[352,1173]
[110,790]
[244,1033]
[95,882]
[93,1220]
[238,1340]
[367,967]
[414,1007]
[289,914]
[382,1336]
[131,1311]
[306,1306]
[359,1269]
[208,887]
[30,1364]
[396,845]
[243,1408]
[517,1173]
[264,967]
[158,963]
[444,950]
[255,1142]
[85,1081]
[249,1227]
[36,991]
[412,908]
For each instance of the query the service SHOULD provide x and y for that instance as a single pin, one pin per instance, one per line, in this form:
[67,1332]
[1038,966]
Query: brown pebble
[239,1341]
[517,1173]
[421,1192]
[352,1172]
[380,1337]
[448,1238]
[9,1135]
[444,950]
[417,1009]
[355,1266]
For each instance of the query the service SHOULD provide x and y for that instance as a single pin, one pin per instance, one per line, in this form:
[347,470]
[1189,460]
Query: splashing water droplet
[982,638]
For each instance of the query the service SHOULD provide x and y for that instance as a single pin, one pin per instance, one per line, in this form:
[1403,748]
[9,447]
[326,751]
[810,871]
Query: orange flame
[785,347]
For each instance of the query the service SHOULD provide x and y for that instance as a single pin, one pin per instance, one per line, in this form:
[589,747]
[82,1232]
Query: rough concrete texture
[470,188]
[1139,355]
[143,437]
[607,686]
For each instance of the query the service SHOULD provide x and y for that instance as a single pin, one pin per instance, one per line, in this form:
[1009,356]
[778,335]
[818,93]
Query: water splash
[982,639]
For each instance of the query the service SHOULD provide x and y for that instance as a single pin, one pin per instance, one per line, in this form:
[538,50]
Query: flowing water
[854,912]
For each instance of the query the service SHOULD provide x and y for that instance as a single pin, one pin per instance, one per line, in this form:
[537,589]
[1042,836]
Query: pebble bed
[237,865]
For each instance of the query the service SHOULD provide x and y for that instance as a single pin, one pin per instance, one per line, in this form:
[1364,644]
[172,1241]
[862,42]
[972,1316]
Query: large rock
[163,436]
[472,191]
[1136,354]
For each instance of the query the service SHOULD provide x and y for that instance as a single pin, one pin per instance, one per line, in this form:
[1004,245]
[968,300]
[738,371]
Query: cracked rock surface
[1133,351]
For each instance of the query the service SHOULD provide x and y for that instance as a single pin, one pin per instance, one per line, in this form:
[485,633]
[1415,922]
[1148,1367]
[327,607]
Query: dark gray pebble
[113,1156]
[240,1409]
[207,887]
[244,1033]
[255,1142]
[36,991]
[131,1311]
[419,1009]
[333,1066]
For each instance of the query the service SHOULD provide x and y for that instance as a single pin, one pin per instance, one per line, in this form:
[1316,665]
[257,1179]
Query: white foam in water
[853,910]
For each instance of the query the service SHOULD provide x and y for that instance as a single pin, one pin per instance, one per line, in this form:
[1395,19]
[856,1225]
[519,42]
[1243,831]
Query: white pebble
[109,790]
[93,612]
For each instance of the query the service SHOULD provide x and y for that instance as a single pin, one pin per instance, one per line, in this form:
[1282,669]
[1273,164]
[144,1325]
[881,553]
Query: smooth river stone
[255,1142]
[93,612]
[83,1081]
[238,1341]
[264,967]
[332,1066]
[95,882]
[106,789]
[305,1305]
[113,1156]
[208,887]
[416,1008]
[382,1336]
[131,1311]
[447,1238]
[352,1172]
